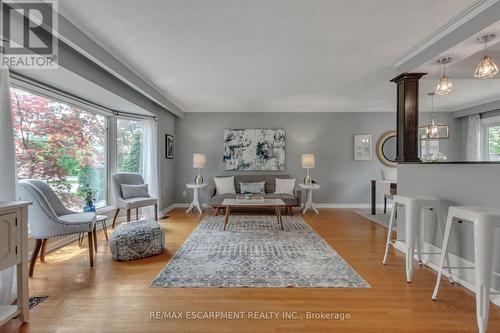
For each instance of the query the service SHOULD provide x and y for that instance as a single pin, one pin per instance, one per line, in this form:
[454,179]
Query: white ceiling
[262,55]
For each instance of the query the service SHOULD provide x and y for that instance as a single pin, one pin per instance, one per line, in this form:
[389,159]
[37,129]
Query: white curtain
[7,175]
[473,144]
[150,162]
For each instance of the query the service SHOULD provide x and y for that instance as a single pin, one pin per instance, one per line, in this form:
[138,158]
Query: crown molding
[470,11]
[492,105]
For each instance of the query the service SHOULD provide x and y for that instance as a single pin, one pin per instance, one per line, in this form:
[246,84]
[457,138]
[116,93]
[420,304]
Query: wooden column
[407,116]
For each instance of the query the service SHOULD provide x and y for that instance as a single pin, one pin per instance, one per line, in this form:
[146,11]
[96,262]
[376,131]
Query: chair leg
[484,238]
[388,242]
[385,205]
[94,234]
[43,250]
[419,245]
[81,236]
[128,215]
[137,214]
[444,250]
[440,223]
[38,245]
[156,212]
[105,229]
[91,249]
[114,217]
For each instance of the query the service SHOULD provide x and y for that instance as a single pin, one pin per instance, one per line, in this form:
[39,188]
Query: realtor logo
[27,34]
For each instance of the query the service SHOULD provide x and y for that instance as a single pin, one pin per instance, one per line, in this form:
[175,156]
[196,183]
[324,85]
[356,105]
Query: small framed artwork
[169,146]
[362,147]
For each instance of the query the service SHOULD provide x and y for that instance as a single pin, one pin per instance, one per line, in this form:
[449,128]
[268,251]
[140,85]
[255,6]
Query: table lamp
[199,161]
[307,163]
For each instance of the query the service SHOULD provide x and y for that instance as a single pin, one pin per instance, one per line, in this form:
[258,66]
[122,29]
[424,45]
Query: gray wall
[328,135]
[166,172]
[453,147]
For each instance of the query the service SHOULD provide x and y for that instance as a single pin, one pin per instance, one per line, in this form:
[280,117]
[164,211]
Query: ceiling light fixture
[444,86]
[486,68]
[434,130]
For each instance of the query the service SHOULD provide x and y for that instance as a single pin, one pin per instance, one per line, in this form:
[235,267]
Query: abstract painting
[254,149]
[362,147]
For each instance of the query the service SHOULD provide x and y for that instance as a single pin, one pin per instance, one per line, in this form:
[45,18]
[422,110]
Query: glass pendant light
[444,86]
[486,68]
[434,130]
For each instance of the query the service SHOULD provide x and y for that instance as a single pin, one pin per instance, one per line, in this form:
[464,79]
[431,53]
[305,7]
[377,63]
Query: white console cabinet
[14,252]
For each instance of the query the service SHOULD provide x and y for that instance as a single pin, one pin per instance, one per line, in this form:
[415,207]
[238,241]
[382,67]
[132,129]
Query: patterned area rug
[254,252]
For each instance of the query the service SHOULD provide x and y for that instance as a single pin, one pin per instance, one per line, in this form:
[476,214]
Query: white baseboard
[165,211]
[464,277]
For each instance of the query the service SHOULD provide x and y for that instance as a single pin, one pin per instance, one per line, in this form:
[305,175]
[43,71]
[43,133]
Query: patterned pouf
[137,239]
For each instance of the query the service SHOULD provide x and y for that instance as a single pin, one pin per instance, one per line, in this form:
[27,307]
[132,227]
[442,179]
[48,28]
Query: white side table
[196,200]
[309,204]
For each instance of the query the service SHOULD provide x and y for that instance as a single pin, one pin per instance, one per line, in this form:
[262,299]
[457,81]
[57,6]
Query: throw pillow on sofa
[225,185]
[284,186]
[253,188]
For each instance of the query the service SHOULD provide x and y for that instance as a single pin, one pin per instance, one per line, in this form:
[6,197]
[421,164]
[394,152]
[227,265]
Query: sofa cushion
[224,185]
[284,186]
[256,188]
[139,202]
[270,181]
[289,199]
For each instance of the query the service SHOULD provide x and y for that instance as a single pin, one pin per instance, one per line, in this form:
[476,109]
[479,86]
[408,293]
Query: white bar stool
[413,221]
[485,221]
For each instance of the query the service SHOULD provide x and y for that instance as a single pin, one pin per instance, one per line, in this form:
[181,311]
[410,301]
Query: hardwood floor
[116,297]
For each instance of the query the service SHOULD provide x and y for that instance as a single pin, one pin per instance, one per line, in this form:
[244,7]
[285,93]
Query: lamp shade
[199,160]
[307,161]
[444,86]
[486,68]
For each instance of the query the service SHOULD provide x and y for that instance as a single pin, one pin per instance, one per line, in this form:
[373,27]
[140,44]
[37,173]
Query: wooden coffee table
[228,204]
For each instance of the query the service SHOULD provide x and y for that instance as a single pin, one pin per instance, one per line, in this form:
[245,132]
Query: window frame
[486,124]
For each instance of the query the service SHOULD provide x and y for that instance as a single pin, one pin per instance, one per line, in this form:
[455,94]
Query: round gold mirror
[386,149]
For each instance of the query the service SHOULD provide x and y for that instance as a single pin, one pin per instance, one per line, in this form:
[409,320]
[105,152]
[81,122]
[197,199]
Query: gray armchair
[49,218]
[129,178]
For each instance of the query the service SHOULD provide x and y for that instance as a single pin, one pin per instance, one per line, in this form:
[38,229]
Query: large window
[60,144]
[492,141]
[129,135]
